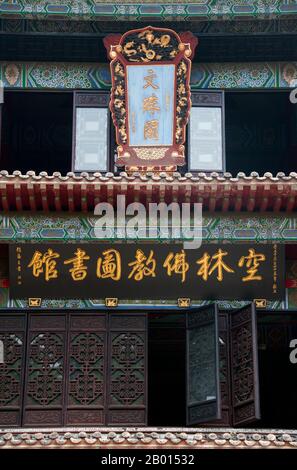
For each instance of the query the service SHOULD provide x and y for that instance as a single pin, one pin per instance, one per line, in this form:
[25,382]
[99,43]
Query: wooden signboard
[147,271]
[150,96]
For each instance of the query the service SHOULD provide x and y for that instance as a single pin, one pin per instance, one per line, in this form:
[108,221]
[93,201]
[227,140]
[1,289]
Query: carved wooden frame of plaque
[150,47]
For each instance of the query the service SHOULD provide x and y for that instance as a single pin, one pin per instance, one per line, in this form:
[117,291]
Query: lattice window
[12,334]
[45,372]
[127,370]
[87,369]
[74,360]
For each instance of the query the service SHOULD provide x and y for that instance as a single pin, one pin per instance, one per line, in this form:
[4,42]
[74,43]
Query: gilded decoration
[149,107]
[119,101]
[150,45]
[92,76]
[150,154]
[182,97]
[12,73]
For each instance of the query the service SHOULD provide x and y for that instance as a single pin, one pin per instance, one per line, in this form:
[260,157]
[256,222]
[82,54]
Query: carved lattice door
[127,374]
[244,365]
[86,369]
[45,370]
[239,381]
[12,337]
[203,384]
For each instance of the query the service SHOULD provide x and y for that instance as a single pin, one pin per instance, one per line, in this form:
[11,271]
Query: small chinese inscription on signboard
[147,271]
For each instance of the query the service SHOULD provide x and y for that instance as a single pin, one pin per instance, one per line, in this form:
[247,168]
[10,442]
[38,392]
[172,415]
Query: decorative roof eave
[217,192]
[93,10]
[147,438]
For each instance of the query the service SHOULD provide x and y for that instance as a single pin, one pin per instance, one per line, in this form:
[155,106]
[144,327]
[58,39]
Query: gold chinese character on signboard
[206,267]
[44,263]
[109,265]
[150,104]
[151,130]
[252,262]
[79,270]
[142,266]
[176,263]
[149,80]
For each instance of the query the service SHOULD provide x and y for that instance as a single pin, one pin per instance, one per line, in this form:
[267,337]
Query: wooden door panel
[203,385]
[45,370]
[244,365]
[127,371]
[12,336]
[86,376]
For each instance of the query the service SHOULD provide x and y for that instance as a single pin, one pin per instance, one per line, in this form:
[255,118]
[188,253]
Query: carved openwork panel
[87,370]
[224,369]
[45,371]
[11,369]
[91,99]
[244,365]
[127,374]
[70,364]
[127,368]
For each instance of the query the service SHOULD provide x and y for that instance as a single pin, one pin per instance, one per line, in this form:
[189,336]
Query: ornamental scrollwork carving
[118,101]
[148,45]
[150,127]
[182,100]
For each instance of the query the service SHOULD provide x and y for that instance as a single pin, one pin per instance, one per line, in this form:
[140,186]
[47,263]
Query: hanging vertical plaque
[150,96]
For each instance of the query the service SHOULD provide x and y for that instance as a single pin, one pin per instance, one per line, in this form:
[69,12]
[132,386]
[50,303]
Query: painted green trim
[64,227]
[93,303]
[278,25]
[105,10]
[228,75]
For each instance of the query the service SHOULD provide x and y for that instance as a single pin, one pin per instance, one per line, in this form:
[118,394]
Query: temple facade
[135,341]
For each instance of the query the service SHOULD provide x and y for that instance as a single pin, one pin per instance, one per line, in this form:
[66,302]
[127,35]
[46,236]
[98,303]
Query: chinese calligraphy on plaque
[144,271]
[150,103]
[150,96]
